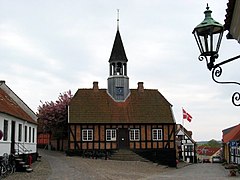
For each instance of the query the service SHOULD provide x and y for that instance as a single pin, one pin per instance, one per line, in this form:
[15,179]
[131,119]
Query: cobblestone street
[55,165]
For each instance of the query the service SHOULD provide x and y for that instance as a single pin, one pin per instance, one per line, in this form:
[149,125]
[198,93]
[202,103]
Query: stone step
[127,155]
[29,170]
[25,166]
[21,163]
[18,159]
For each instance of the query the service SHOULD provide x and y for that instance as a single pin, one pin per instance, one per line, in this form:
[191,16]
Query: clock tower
[118,81]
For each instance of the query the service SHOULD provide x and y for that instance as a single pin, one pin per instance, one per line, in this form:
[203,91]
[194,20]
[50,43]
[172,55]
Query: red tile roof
[208,151]
[10,107]
[231,134]
[96,106]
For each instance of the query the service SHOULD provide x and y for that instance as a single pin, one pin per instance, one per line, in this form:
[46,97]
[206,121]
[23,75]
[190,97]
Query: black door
[13,137]
[123,139]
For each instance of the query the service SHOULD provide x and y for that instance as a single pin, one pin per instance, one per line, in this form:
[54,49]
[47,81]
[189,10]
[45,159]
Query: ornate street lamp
[208,35]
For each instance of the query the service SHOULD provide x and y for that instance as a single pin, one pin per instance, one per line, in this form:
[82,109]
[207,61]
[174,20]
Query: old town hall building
[108,120]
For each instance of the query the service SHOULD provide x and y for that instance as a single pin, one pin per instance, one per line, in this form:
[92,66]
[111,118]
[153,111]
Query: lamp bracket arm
[227,61]
[217,72]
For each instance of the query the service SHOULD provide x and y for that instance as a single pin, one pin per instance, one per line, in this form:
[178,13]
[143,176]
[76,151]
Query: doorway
[13,137]
[123,139]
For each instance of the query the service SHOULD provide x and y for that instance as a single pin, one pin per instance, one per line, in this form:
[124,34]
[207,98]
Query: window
[157,134]
[33,136]
[189,148]
[87,134]
[20,132]
[25,133]
[5,130]
[111,134]
[134,134]
[30,133]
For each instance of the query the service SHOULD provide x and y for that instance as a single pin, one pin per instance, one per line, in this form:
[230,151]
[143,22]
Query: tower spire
[117,19]
[118,81]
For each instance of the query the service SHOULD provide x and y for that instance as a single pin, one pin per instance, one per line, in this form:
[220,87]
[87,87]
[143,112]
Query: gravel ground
[41,171]
[56,165]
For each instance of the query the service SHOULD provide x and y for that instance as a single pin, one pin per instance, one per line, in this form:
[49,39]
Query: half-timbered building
[231,144]
[106,120]
[186,146]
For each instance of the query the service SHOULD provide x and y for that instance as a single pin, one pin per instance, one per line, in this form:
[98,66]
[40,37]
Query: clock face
[119,90]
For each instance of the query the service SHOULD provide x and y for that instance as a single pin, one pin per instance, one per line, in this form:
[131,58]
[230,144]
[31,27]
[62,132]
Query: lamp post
[208,35]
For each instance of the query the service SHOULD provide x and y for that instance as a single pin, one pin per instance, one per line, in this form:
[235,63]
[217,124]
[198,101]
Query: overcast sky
[48,47]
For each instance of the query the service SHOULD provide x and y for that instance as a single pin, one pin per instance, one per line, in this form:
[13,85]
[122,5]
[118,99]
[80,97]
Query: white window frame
[157,134]
[29,134]
[89,135]
[5,130]
[111,135]
[20,132]
[134,134]
[33,135]
[25,134]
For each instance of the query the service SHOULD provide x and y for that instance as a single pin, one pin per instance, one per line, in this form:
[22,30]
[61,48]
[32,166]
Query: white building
[18,124]
[186,146]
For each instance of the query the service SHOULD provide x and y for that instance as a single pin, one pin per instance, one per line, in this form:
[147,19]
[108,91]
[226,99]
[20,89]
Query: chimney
[140,87]
[189,133]
[95,86]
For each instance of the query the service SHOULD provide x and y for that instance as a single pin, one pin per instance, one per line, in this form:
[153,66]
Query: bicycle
[7,165]
[3,169]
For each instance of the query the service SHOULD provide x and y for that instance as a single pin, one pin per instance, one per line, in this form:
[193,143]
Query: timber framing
[145,142]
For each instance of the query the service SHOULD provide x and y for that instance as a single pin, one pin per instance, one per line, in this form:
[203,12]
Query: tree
[212,143]
[53,115]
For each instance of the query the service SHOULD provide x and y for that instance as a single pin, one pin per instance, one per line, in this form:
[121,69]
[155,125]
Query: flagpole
[182,122]
[183,138]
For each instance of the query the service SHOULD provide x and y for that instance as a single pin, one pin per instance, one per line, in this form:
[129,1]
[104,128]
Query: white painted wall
[5,146]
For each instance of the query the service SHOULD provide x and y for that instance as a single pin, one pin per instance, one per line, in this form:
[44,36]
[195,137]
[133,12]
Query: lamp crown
[208,22]
[208,13]
[207,7]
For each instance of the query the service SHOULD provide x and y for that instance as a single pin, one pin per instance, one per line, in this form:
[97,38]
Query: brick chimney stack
[95,86]
[190,134]
[140,87]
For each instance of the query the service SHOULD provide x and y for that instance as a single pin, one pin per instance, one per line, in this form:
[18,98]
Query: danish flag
[187,116]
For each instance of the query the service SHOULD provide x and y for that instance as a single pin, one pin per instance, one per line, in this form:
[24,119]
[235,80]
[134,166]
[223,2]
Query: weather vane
[117,18]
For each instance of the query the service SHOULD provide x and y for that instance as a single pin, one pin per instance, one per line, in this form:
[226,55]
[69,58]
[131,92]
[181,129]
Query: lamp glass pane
[205,41]
[217,41]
